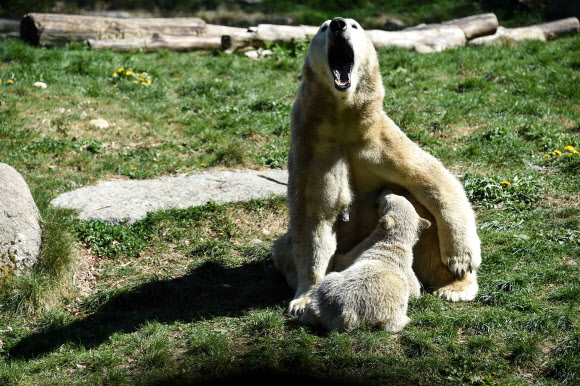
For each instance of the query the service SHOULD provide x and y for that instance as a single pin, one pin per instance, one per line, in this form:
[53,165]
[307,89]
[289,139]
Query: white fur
[344,150]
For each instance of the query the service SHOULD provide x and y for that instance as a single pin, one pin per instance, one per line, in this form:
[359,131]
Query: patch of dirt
[86,274]
[564,201]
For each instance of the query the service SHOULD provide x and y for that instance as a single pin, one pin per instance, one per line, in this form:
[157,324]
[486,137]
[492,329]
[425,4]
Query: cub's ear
[388,221]
[424,224]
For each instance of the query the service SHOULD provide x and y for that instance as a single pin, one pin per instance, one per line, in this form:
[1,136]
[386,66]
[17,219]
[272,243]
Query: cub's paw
[462,259]
[297,305]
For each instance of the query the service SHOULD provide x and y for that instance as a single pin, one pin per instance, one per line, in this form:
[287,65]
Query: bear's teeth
[340,83]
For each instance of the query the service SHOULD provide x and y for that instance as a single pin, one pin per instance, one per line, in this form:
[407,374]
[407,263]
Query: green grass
[191,295]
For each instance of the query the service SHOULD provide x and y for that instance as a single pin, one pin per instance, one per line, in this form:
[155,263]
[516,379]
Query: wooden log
[422,40]
[222,30]
[555,29]
[158,42]
[53,29]
[284,33]
[472,26]
[543,32]
[7,25]
[236,41]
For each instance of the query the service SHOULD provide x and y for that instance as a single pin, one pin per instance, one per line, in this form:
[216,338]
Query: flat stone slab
[118,200]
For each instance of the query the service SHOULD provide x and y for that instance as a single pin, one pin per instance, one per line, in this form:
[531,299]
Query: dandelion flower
[0,81]
[569,153]
[10,81]
[133,168]
[121,69]
[115,75]
[145,84]
[569,148]
[203,165]
[506,183]
[576,152]
[137,74]
[129,73]
[135,81]
[547,156]
[148,80]
[557,152]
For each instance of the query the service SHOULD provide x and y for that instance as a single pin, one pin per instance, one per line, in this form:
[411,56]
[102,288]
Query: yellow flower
[557,152]
[0,81]
[569,154]
[135,81]
[121,69]
[137,74]
[203,165]
[506,183]
[129,73]
[10,81]
[144,84]
[133,168]
[569,148]
[148,80]
[115,75]
[576,152]
[547,156]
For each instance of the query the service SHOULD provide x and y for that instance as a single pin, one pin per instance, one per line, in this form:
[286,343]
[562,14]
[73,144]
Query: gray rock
[20,231]
[118,200]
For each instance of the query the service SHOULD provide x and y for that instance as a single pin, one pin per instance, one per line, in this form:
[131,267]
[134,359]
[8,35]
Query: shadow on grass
[208,291]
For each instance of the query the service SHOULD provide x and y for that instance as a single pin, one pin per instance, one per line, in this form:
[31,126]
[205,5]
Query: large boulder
[20,231]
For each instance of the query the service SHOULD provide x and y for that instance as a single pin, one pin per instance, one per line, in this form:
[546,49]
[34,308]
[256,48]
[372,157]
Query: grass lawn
[190,295]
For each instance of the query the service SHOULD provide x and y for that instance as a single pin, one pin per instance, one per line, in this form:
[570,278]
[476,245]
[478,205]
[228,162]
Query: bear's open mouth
[341,60]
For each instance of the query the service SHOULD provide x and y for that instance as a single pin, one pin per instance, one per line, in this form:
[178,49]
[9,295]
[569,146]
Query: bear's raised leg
[432,273]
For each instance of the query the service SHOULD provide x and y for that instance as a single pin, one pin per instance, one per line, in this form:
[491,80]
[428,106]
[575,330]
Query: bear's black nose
[337,25]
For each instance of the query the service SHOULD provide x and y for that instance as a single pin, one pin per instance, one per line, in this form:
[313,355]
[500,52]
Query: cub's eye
[354,26]
[323,28]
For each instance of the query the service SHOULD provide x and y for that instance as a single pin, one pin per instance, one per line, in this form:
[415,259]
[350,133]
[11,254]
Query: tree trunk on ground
[52,29]
[472,26]
[158,42]
[7,25]
[422,40]
[543,32]
[284,33]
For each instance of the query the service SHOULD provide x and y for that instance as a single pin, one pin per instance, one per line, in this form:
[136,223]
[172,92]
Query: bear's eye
[323,28]
[354,26]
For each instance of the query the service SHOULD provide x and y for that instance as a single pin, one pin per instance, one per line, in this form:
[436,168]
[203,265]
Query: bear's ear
[424,224]
[388,221]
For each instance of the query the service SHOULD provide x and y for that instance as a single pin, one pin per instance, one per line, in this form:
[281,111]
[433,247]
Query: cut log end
[28,30]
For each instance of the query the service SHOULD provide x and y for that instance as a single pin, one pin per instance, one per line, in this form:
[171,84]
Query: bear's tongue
[341,60]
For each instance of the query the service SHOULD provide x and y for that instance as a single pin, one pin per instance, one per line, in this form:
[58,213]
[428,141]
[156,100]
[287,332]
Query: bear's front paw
[297,305]
[461,259]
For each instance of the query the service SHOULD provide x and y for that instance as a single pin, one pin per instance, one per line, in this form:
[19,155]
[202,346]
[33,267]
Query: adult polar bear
[344,150]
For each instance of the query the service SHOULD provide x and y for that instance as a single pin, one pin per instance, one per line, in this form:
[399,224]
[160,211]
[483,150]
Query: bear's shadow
[208,291]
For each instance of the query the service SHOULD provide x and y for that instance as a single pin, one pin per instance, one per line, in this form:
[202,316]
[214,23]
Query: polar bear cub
[374,288]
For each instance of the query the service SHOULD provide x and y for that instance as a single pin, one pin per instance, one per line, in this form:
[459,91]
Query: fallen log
[284,33]
[421,40]
[238,40]
[472,26]
[157,42]
[543,32]
[7,25]
[47,29]
[222,30]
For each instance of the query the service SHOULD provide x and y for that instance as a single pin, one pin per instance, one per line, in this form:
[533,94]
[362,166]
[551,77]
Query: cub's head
[342,56]
[399,217]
